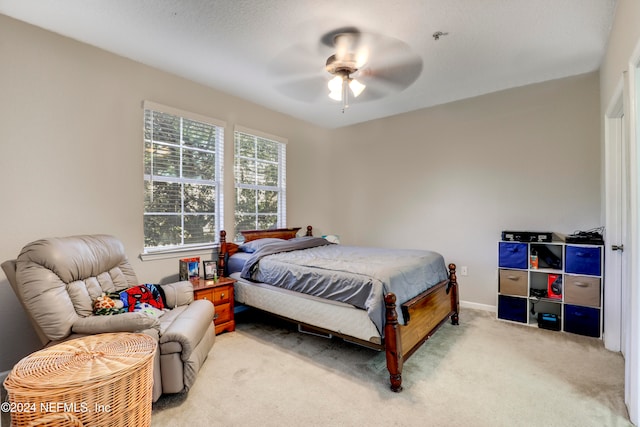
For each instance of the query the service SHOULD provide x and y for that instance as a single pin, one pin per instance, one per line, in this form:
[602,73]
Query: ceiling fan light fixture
[342,65]
[356,87]
[340,86]
[335,88]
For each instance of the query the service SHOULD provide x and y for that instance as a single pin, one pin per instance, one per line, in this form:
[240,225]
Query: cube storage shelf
[541,282]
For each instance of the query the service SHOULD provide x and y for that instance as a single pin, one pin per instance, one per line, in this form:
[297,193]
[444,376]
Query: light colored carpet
[483,372]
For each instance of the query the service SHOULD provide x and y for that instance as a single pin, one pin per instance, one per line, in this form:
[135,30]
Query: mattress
[335,316]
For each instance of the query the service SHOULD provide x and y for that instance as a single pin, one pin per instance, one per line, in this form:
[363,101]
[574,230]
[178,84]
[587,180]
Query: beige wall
[452,177]
[448,178]
[71,153]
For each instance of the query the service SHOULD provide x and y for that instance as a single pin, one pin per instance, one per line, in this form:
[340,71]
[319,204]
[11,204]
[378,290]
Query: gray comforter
[360,276]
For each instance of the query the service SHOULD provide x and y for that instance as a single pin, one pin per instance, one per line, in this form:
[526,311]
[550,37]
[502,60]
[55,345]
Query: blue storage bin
[582,320]
[513,255]
[512,308]
[583,260]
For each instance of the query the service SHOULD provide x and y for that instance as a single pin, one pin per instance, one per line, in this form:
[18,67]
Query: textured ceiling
[270,51]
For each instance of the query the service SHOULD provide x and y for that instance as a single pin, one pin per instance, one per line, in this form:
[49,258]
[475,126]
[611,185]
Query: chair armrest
[178,293]
[124,322]
[189,327]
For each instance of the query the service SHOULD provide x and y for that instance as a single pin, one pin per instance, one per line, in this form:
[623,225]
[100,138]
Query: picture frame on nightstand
[189,268]
[209,269]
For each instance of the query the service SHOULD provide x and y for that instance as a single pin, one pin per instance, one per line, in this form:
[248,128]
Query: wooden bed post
[455,302]
[393,343]
[222,250]
[309,231]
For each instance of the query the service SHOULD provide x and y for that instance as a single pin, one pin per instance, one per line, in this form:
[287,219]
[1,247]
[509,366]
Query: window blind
[183,170]
[260,181]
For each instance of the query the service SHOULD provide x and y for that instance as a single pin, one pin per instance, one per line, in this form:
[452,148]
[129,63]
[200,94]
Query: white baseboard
[476,306]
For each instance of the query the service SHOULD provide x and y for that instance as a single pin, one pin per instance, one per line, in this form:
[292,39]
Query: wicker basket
[98,380]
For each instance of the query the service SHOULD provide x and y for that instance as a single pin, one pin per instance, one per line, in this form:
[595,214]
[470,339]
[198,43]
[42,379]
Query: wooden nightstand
[221,294]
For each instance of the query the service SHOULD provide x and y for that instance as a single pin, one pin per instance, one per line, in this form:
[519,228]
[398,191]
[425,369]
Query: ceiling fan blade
[362,56]
[371,93]
[386,47]
[398,76]
[306,90]
[296,60]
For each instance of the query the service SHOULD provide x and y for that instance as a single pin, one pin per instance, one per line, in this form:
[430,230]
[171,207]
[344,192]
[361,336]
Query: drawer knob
[222,295]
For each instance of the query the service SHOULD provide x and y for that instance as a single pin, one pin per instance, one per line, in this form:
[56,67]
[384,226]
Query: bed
[345,291]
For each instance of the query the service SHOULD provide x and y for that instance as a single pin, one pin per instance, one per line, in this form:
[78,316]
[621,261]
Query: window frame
[280,188]
[218,181]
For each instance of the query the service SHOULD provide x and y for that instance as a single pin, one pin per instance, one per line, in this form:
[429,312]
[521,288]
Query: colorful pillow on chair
[147,293]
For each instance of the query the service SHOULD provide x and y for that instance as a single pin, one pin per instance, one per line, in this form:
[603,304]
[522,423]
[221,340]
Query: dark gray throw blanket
[359,276]
[278,247]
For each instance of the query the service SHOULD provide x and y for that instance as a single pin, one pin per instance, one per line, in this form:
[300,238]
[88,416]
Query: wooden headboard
[280,233]
[231,248]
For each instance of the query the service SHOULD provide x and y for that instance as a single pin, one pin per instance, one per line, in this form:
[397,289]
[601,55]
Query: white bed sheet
[335,316]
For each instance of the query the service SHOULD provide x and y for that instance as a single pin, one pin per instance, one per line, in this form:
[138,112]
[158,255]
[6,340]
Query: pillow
[147,293]
[254,245]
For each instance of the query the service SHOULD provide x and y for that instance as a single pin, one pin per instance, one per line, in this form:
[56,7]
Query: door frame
[630,317]
[613,301]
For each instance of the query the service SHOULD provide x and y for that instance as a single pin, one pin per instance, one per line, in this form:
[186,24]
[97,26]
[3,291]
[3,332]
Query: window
[183,158]
[260,181]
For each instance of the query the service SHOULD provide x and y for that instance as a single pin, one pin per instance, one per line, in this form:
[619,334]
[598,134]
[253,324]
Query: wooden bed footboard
[423,314]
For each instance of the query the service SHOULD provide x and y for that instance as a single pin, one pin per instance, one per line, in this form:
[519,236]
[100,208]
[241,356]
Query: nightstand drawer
[204,294]
[222,294]
[224,313]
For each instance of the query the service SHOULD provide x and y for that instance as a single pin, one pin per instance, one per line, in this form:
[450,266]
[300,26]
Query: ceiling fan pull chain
[345,94]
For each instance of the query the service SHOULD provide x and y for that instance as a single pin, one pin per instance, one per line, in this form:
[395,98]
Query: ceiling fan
[349,58]
[362,65]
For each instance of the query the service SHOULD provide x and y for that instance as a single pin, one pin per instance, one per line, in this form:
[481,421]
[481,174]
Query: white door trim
[613,122]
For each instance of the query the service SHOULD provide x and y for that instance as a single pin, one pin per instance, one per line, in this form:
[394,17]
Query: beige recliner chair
[58,279]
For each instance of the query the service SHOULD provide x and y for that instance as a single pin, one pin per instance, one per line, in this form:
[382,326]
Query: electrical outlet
[463,270]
